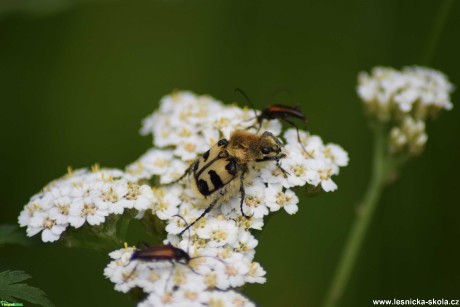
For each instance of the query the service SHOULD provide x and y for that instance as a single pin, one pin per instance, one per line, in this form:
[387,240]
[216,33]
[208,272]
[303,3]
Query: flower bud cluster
[409,136]
[200,283]
[405,99]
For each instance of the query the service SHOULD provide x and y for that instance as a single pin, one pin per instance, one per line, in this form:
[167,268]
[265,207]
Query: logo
[6,303]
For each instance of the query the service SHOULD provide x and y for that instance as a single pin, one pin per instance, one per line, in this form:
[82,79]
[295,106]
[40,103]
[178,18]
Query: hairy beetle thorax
[243,146]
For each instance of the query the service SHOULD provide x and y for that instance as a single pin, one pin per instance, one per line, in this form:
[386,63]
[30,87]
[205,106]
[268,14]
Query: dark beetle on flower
[282,112]
[166,252]
[169,253]
[220,172]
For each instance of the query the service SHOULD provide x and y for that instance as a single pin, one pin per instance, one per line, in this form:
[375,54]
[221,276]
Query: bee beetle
[220,172]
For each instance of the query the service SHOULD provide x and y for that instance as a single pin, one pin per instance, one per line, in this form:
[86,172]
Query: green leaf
[10,290]
[11,234]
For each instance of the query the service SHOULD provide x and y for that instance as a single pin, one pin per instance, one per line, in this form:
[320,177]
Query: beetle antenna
[187,228]
[242,93]
[215,258]
[278,92]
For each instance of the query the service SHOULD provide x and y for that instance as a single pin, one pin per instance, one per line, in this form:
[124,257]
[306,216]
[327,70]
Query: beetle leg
[285,172]
[260,127]
[132,271]
[298,134]
[173,263]
[188,265]
[264,159]
[278,165]
[254,126]
[243,195]
[186,173]
[200,217]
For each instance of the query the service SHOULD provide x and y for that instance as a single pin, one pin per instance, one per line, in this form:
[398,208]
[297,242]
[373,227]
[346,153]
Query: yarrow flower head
[405,99]
[206,264]
[183,129]
[83,197]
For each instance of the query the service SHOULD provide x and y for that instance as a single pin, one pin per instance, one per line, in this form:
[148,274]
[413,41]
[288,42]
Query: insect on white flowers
[225,233]
[220,172]
[238,176]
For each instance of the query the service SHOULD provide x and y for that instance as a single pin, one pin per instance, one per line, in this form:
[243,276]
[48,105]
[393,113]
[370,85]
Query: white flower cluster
[416,91]
[220,248]
[406,98]
[221,245]
[174,284]
[82,196]
[410,136]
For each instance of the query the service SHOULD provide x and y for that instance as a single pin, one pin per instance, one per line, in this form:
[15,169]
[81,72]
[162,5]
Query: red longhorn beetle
[167,252]
[282,112]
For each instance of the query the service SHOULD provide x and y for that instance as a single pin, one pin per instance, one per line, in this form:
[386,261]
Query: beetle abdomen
[216,175]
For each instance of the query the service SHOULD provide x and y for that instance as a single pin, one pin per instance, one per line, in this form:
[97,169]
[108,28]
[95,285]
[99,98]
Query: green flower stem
[123,225]
[154,227]
[102,238]
[99,242]
[381,167]
[434,36]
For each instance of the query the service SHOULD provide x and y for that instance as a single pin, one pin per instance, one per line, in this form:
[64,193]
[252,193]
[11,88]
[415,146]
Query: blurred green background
[77,77]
